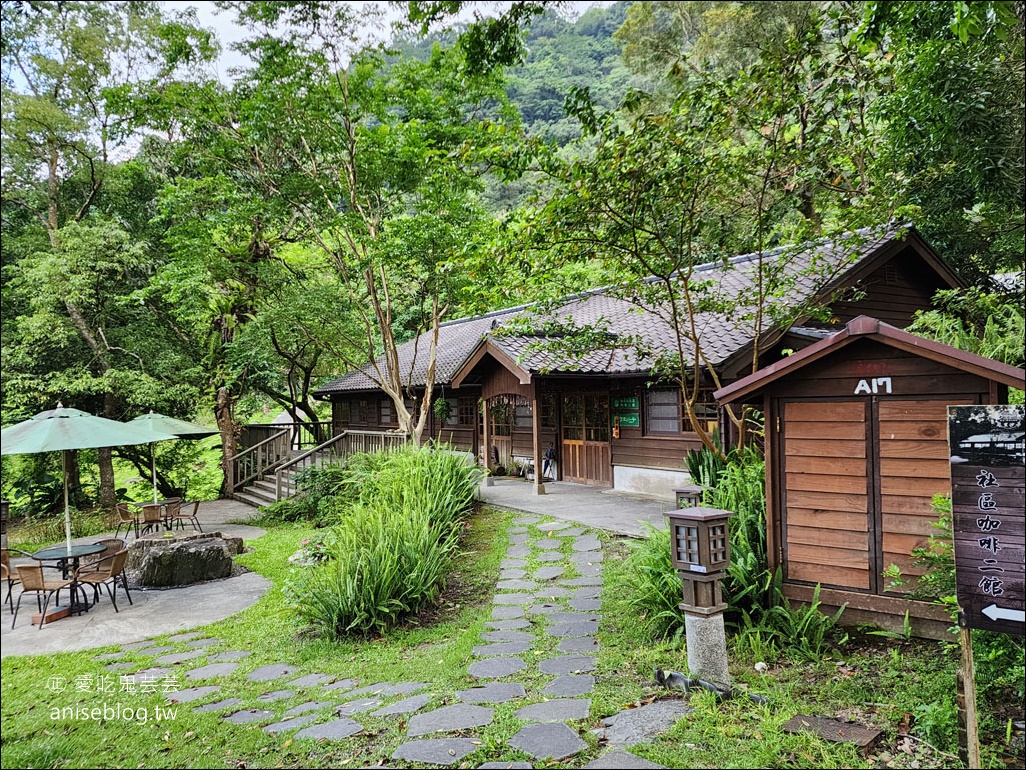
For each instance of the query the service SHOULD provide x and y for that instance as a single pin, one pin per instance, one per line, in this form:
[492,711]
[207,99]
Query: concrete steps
[260,493]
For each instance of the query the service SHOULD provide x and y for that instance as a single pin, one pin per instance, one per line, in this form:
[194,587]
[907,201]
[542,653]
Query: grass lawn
[880,682]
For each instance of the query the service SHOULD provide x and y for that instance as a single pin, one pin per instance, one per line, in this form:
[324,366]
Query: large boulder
[181,559]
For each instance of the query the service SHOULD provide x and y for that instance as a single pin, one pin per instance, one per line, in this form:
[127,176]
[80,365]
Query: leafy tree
[66,67]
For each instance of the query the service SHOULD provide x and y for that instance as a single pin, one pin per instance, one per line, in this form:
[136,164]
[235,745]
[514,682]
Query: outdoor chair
[185,512]
[32,581]
[110,547]
[152,519]
[8,577]
[107,574]
[128,520]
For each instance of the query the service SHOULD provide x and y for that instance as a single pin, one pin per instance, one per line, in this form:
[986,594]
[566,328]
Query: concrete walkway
[605,509]
[153,612]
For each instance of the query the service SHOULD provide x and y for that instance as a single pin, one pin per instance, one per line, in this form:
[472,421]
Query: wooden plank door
[586,455]
[826,497]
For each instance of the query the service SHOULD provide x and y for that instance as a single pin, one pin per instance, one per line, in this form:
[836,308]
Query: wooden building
[608,419]
[856,448]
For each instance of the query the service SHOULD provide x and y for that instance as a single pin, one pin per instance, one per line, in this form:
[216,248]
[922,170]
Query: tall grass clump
[394,544]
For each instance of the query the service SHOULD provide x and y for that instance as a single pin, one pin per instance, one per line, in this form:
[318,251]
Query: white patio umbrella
[62,429]
[177,428]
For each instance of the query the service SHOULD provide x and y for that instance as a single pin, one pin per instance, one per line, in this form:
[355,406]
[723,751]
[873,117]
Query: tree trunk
[224,413]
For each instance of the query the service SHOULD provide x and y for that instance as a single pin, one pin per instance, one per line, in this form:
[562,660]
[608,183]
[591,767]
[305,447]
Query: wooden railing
[250,464]
[340,447]
[302,435]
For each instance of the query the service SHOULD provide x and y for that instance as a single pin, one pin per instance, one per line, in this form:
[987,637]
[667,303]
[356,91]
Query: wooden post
[487,453]
[968,723]
[539,487]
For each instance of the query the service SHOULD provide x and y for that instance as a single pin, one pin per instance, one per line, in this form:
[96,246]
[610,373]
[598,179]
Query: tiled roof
[814,269]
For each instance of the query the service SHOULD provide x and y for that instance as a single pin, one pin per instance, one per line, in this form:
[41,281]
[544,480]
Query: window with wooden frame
[340,412]
[359,412]
[549,410]
[385,412]
[666,415]
[523,414]
[466,410]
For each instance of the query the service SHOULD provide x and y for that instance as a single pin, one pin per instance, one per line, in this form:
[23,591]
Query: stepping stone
[508,625]
[526,520]
[436,751]
[494,668]
[231,655]
[493,692]
[501,648]
[570,685]
[517,530]
[586,557]
[622,760]
[588,592]
[219,705]
[572,532]
[190,694]
[552,592]
[289,724]
[151,674]
[558,710]
[182,636]
[248,715]
[273,671]
[512,563]
[547,543]
[310,680]
[273,695]
[509,612]
[349,708]
[505,766]
[506,574]
[552,526]
[567,664]
[341,684]
[548,573]
[121,666]
[589,570]
[211,670]
[155,650]
[335,730]
[109,656]
[206,641]
[519,539]
[180,657]
[518,551]
[579,644]
[546,608]
[574,628]
[574,617]
[587,580]
[548,741]
[405,706]
[633,726]
[550,556]
[516,585]
[139,645]
[507,636]
[302,708]
[460,716]
[385,690]
[517,598]
[585,605]
[586,544]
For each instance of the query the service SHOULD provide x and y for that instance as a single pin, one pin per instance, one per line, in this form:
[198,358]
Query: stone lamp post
[700,551]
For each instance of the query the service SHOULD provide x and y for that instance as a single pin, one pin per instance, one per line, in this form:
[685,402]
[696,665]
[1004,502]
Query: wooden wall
[893,292]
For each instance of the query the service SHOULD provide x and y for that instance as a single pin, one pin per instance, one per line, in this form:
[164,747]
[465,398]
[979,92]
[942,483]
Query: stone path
[535,663]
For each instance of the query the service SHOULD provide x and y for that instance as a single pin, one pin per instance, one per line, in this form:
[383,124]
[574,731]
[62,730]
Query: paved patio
[154,611]
[604,509]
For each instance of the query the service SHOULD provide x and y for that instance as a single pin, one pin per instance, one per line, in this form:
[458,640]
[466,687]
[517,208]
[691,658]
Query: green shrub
[656,586]
[392,547]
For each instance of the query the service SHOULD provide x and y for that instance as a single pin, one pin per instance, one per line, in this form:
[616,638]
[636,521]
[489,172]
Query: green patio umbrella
[62,429]
[177,428]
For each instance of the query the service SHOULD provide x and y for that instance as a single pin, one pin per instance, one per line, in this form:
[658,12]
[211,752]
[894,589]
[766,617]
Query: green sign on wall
[632,420]
[626,403]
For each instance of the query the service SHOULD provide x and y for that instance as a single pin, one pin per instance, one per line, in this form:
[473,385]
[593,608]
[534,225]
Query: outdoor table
[68,562]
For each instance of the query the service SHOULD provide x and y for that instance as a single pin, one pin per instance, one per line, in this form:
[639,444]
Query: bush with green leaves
[393,546]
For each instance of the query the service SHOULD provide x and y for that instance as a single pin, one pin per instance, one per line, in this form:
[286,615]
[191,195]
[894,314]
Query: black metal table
[68,561]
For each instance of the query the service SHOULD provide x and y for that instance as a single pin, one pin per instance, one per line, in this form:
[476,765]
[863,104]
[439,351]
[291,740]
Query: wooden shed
[856,448]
